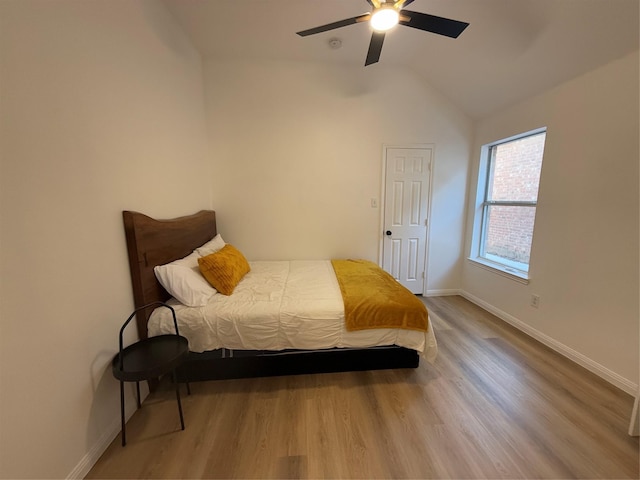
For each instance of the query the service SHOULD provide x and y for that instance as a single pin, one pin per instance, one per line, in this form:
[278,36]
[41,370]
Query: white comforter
[277,306]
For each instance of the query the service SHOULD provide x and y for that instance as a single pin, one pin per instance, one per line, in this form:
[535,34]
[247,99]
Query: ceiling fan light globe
[384,19]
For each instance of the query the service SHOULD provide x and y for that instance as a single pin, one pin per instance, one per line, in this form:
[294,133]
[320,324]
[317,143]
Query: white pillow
[183,280]
[212,246]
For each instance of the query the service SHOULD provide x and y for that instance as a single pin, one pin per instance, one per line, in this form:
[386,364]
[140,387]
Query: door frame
[383,197]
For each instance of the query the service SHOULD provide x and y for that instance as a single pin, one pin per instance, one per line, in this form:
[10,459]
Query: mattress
[278,306]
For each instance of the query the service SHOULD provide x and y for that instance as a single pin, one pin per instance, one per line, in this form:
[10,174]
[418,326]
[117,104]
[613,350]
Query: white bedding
[277,306]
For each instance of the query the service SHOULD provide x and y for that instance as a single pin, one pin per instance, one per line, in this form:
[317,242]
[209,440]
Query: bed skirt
[225,364]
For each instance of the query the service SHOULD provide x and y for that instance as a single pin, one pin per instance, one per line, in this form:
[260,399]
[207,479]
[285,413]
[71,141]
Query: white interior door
[406,207]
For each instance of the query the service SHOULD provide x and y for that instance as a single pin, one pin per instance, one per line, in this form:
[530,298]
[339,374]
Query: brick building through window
[515,176]
[509,181]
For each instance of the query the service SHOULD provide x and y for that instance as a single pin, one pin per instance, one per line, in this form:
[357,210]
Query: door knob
[388,232]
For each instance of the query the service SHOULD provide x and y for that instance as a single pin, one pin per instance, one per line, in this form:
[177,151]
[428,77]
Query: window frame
[512,269]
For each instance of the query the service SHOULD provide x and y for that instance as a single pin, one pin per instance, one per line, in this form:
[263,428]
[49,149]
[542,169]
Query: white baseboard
[577,357]
[93,455]
[443,292]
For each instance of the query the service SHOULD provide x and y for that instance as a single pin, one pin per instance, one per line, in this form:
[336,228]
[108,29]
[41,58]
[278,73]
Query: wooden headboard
[152,242]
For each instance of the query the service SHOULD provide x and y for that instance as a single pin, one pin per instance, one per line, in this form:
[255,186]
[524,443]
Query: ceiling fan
[385,15]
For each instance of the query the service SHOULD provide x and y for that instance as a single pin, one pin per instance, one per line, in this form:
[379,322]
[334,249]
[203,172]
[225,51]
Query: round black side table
[147,359]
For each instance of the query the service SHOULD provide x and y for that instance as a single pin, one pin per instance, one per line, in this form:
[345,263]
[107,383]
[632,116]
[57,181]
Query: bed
[283,317]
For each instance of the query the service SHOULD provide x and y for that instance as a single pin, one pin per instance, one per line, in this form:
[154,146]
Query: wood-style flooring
[496,404]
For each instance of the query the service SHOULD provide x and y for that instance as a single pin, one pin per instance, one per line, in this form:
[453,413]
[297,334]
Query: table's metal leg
[124,437]
[138,393]
[188,389]
[175,380]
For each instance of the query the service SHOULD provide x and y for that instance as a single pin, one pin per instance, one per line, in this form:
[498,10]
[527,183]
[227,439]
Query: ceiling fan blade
[433,24]
[334,25]
[406,2]
[375,48]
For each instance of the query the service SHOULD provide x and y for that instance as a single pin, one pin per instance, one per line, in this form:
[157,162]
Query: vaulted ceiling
[511,50]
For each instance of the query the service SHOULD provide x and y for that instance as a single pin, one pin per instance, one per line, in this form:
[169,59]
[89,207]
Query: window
[507,198]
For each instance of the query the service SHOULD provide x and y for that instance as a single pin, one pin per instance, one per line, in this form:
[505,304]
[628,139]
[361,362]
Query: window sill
[516,275]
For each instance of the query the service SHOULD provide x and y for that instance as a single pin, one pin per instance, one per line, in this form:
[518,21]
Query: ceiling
[511,50]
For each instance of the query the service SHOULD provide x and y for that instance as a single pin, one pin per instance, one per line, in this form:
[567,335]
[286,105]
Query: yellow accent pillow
[224,269]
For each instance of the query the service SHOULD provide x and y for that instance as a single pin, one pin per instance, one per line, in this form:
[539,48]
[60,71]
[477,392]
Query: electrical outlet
[535,300]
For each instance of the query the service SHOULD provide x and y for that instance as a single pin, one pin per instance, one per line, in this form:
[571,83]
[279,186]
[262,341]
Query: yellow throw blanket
[374,299]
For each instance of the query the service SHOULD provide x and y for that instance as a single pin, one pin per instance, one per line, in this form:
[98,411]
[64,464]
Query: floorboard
[496,404]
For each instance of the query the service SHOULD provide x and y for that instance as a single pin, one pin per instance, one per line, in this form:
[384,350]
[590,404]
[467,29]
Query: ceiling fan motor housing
[394,13]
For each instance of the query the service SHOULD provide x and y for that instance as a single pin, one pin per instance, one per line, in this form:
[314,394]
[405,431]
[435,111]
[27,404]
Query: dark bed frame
[152,242]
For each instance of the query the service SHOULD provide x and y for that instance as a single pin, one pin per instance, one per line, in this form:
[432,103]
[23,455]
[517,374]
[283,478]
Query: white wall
[102,110]
[297,152]
[584,259]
